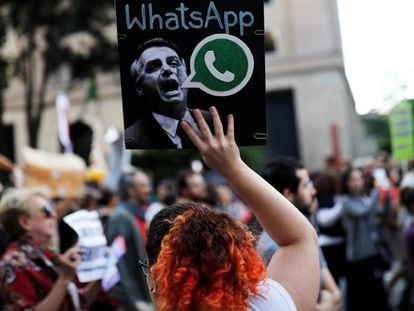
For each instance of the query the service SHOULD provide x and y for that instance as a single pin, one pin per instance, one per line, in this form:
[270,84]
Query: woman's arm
[67,271]
[90,292]
[295,265]
[327,217]
[356,209]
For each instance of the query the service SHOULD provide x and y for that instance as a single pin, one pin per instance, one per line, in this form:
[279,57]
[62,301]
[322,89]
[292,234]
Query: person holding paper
[30,275]
[159,71]
[199,259]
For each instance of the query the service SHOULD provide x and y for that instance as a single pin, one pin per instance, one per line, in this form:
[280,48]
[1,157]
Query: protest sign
[401,129]
[87,225]
[179,55]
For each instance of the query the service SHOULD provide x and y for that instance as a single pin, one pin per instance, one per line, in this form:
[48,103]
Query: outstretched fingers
[218,127]
[202,125]
[230,127]
[192,135]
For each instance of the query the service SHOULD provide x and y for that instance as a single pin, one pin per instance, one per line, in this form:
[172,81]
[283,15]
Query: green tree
[377,127]
[46,32]
[3,82]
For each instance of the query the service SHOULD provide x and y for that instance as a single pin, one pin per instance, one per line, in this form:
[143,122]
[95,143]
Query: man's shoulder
[136,134]
[137,128]
[119,215]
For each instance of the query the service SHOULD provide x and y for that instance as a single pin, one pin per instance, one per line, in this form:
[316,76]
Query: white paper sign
[94,260]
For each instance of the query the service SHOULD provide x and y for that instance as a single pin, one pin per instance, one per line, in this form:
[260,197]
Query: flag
[62,108]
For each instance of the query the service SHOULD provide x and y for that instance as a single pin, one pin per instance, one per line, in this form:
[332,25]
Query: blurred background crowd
[60,94]
[383,189]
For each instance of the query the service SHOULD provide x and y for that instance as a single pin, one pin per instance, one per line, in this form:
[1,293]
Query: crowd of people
[338,239]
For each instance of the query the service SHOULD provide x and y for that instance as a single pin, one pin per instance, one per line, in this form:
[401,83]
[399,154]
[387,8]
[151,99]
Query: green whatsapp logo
[221,65]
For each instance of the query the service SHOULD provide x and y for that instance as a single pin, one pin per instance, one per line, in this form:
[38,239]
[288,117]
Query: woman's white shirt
[273,296]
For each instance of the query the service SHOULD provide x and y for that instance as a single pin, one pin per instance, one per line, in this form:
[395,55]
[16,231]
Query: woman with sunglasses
[202,260]
[32,277]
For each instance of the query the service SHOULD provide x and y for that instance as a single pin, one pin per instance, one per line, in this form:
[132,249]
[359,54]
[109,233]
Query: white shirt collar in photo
[170,125]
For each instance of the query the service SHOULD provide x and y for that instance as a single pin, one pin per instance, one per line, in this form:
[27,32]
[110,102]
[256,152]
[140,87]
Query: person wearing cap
[31,276]
[159,72]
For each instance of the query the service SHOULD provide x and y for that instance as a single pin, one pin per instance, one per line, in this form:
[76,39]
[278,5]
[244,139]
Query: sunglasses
[144,266]
[48,209]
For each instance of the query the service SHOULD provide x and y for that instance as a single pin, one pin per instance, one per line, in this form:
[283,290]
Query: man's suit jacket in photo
[146,133]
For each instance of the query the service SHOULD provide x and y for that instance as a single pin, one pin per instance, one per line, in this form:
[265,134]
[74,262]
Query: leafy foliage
[377,127]
[56,33]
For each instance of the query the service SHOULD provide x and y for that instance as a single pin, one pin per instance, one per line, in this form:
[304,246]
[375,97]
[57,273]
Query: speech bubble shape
[221,65]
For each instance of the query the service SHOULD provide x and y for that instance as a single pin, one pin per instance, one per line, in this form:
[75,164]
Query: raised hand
[295,265]
[68,263]
[219,150]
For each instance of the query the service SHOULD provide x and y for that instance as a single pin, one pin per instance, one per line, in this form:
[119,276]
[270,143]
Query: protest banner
[401,130]
[92,240]
[176,56]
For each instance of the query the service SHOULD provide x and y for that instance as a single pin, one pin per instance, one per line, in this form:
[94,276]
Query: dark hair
[345,179]
[125,183]
[182,179]
[407,199]
[330,160]
[156,42]
[411,165]
[106,196]
[161,225]
[280,172]
[325,184]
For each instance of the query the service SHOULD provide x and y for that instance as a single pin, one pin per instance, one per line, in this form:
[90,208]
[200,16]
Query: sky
[378,44]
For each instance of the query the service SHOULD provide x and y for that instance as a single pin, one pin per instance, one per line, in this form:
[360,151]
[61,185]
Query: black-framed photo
[177,56]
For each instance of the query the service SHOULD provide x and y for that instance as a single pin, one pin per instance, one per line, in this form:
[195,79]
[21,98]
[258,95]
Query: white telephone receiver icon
[209,59]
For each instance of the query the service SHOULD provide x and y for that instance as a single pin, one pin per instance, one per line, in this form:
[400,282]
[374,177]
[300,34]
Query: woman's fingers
[230,127]
[207,138]
[218,127]
[72,256]
[192,135]
[202,125]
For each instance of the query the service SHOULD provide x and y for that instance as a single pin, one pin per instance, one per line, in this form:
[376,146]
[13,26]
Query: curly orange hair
[206,260]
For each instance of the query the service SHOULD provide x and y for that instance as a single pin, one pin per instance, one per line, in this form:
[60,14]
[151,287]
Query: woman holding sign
[30,275]
[201,260]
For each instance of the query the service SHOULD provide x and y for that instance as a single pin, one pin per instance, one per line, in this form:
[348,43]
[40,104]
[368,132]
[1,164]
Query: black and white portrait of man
[159,70]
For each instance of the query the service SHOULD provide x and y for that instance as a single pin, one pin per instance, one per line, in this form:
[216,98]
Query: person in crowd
[228,203]
[31,276]
[159,71]
[108,202]
[135,192]
[165,197]
[199,259]
[291,179]
[191,186]
[93,193]
[407,302]
[408,178]
[128,221]
[364,272]
[331,231]
[393,216]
